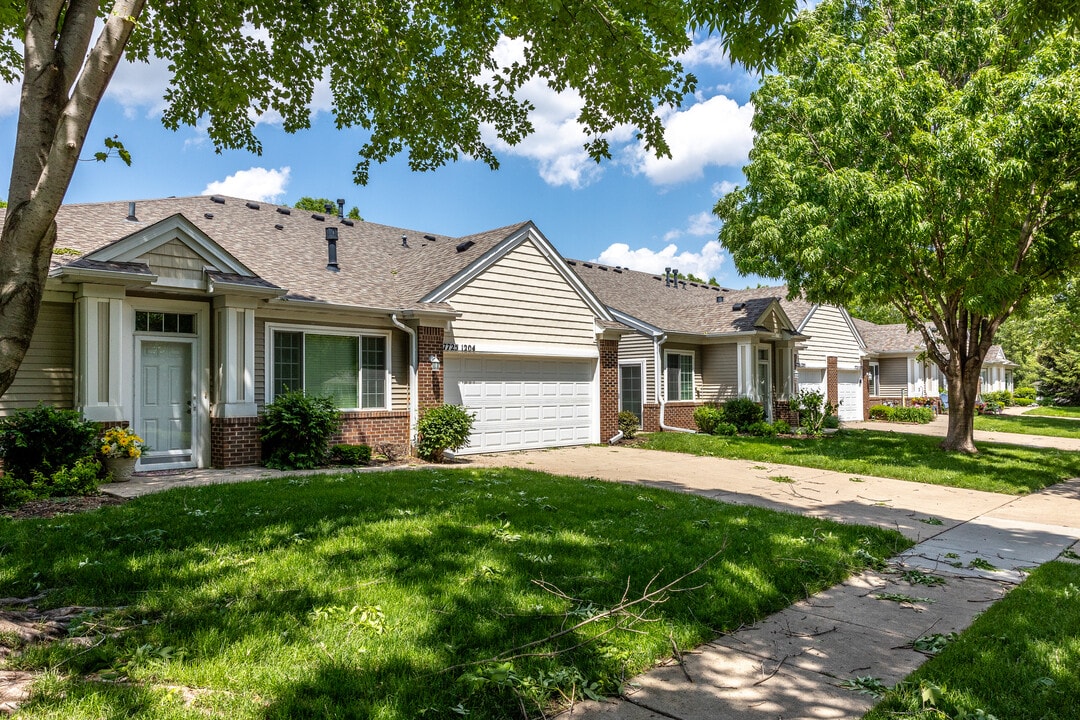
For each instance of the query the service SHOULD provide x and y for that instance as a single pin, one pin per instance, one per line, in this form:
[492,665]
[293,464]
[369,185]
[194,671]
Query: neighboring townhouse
[899,370]
[183,317]
[694,344]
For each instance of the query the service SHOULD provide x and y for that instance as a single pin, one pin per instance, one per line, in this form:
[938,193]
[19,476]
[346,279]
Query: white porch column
[746,366]
[99,352]
[234,361]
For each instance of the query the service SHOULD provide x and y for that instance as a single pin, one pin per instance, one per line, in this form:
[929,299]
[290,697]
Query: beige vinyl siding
[719,372]
[399,356]
[830,335]
[685,348]
[635,346]
[893,376]
[174,259]
[47,373]
[521,298]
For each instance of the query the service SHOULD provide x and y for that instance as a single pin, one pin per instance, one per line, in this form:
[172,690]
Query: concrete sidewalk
[791,665]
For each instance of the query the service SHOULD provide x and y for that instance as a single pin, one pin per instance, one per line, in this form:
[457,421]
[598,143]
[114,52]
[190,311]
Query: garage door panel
[523,403]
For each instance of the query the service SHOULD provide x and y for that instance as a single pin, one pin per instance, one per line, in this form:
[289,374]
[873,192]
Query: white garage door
[523,403]
[850,392]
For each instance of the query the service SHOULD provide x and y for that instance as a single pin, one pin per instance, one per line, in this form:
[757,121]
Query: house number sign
[454,347]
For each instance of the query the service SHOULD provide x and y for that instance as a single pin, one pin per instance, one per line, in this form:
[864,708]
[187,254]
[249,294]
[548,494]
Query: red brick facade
[234,442]
[832,381]
[374,427]
[680,415]
[609,389]
[782,411]
[865,389]
[651,421]
[429,384]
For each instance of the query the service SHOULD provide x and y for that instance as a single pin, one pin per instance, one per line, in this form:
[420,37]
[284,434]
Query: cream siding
[521,298]
[830,335]
[175,259]
[893,376]
[47,372]
[399,356]
[719,372]
[638,347]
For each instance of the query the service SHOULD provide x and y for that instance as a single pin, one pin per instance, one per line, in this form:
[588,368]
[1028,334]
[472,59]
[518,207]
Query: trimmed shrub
[831,422]
[351,454]
[880,412]
[921,415]
[1024,401]
[628,424]
[1001,397]
[44,440]
[782,427]
[82,478]
[725,429]
[1028,393]
[295,430]
[707,418]
[742,413]
[761,429]
[442,428]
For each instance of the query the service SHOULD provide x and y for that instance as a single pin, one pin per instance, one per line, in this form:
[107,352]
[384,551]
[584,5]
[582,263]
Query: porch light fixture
[435,363]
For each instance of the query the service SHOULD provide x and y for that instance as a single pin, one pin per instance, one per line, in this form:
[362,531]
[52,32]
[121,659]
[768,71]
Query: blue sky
[633,211]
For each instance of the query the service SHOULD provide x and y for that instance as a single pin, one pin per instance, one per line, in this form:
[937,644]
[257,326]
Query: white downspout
[414,364]
[661,396]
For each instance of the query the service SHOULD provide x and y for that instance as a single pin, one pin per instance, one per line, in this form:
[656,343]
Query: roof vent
[329,208]
[347,223]
[320,218]
[208,216]
[341,207]
[618,270]
[462,247]
[285,211]
[667,277]
[571,262]
[404,241]
[602,267]
[719,299]
[131,211]
[217,199]
[588,265]
[252,205]
[279,226]
[738,306]
[331,248]
[430,237]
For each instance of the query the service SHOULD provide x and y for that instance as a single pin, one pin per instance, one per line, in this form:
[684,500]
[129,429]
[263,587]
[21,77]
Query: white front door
[165,402]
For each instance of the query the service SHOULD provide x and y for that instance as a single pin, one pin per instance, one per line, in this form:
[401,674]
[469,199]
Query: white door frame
[193,395]
[766,402]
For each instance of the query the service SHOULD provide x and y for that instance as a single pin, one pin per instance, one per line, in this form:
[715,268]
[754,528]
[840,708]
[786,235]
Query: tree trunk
[26,259]
[963,392]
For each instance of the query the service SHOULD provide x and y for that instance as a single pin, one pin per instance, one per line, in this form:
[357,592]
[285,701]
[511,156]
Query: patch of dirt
[52,507]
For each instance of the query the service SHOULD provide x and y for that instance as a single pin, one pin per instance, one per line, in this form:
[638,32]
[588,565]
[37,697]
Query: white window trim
[875,379]
[693,374]
[268,358]
[644,383]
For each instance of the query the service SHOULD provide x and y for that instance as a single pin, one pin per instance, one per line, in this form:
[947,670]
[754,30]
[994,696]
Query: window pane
[673,377]
[686,378]
[288,365]
[373,390]
[332,367]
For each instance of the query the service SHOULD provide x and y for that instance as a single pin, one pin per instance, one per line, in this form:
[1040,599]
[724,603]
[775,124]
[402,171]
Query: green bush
[742,413]
[1001,397]
[1024,401]
[707,417]
[45,440]
[1028,393]
[782,427]
[629,424]
[761,429]
[726,429]
[351,454]
[831,422]
[921,415]
[82,478]
[813,410]
[442,428]
[295,430]
[881,412]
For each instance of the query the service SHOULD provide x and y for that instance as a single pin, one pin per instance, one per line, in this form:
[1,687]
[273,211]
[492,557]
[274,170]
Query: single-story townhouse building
[184,317]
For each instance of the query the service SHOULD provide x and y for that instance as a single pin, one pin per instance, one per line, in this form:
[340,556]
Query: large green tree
[1042,340]
[419,75]
[912,153]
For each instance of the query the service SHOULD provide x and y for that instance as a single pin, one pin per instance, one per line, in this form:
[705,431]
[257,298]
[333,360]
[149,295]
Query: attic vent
[320,218]
[719,299]
[218,199]
[602,267]
[571,262]
[285,211]
[738,306]
[252,205]
[693,284]
[208,216]
[131,211]
[618,270]
[279,226]
[588,265]
[404,241]
[347,223]
[430,237]
[462,247]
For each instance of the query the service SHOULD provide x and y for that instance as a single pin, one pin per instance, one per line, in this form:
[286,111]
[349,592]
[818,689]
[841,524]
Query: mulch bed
[52,507]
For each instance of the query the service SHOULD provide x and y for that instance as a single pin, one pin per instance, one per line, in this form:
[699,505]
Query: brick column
[609,389]
[429,384]
[832,382]
[865,389]
[234,442]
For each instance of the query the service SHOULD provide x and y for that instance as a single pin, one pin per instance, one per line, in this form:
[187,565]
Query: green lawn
[997,468]
[370,595]
[1029,425]
[1018,661]
[1065,411]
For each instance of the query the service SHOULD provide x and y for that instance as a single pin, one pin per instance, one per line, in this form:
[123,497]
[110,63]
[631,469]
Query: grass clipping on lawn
[431,593]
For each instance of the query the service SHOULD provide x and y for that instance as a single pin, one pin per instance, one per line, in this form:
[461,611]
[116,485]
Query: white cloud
[705,263]
[722,188]
[9,98]
[698,225]
[254,184]
[708,52]
[139,87]
[714,132]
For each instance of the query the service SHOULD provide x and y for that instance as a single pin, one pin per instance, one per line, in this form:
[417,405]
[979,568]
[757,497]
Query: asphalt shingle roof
[286,247]
[897,338]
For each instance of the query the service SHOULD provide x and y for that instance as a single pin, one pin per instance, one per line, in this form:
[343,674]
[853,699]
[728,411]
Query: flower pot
[120,468]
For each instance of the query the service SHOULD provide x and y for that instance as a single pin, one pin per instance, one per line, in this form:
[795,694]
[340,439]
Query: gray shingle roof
[288,249]
[691,308]
[898,339]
